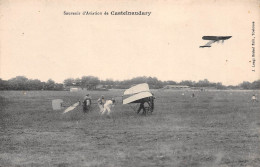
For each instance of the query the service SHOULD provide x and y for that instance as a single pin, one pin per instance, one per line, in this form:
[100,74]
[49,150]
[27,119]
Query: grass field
[216,128]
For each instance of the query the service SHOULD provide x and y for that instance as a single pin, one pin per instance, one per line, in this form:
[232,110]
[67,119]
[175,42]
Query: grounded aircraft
[213,39]
[139,94]
[58,104]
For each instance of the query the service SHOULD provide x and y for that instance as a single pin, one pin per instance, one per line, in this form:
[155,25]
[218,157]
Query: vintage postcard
[129,83]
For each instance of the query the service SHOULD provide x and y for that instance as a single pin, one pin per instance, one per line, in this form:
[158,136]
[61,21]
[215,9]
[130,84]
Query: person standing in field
[141,107]
[193,95]
[101,101]
[254,99]
[86,103]
[145,103]
[108,105]
[152,102]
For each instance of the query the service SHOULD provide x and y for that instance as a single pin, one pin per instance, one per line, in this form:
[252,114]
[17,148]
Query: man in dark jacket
[86,103]
[146,103]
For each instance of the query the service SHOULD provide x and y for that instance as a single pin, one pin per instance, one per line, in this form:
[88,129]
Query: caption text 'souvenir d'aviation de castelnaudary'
[114,13]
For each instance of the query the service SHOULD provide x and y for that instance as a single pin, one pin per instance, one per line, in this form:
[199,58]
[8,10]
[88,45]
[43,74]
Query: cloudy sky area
[39,42]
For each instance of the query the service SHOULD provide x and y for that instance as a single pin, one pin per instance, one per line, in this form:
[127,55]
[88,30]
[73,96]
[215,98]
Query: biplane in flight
[213,39]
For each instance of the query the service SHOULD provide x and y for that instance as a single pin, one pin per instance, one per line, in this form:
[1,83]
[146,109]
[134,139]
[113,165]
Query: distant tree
[58,86]
[169,83]
[94,81]
[3,84]
[203,83]
[232,87]
[77,82]
[137,80]
[50,85]
[34,84]
[18,83]
[108,82]
[152,81]
[219,85]
[69,82]
[245,85]
[85,81]
[187,83]
[89,82]
[255,84]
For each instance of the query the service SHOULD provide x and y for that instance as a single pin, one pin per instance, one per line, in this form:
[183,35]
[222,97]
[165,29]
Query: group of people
[104,105]
[146,104]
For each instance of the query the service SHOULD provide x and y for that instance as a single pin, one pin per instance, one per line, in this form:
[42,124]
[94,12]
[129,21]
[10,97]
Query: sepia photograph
[130,83]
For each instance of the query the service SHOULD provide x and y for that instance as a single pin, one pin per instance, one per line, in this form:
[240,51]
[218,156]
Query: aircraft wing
[137,97]
[137,88]
[71,107]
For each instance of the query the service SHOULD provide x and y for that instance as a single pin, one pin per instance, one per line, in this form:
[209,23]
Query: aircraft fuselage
[216,38]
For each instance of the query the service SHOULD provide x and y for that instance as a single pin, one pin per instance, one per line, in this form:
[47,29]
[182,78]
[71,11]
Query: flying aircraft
[213,39]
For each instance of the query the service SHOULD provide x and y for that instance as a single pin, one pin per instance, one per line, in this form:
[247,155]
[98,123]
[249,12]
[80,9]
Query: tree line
[23,83]
[92,83]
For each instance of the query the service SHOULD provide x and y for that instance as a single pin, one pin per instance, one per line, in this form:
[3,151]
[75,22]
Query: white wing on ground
[137,96]
[71,107]
[136,89]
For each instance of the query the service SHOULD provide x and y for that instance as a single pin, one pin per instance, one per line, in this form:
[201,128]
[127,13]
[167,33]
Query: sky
[38,41]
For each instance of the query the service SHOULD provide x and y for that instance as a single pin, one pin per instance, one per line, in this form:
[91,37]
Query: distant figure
[101,101]
[193,95]
[86,103]
[108,105]
[254,99]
